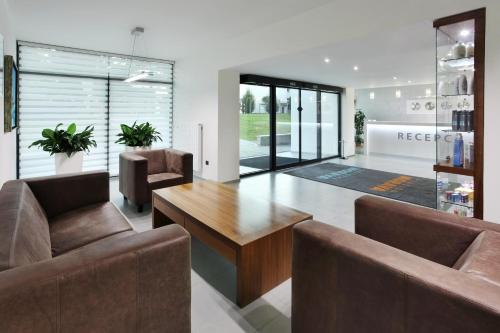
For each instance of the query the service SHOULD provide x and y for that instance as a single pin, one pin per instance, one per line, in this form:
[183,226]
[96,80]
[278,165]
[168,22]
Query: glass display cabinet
[459,116]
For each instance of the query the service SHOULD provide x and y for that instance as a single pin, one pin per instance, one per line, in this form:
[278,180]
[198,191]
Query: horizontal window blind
[141,102]
[61,86]
[56,61]
[47,101]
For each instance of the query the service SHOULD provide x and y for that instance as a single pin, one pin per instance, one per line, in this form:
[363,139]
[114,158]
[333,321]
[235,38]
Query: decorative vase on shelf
[65,164]
[469,52]
[470,85]
[462,84]
[459,51]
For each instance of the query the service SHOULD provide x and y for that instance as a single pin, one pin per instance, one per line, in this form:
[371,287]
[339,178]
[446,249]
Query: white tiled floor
[213,278]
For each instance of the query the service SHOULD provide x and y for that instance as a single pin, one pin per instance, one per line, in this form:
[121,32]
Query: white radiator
[198,149]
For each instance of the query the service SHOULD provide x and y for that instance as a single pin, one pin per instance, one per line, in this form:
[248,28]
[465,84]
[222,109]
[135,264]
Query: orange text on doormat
[392,184]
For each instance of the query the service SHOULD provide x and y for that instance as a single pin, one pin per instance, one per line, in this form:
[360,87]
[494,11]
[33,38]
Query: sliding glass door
[287,140]
[309,125]
[281,126]
[330,115]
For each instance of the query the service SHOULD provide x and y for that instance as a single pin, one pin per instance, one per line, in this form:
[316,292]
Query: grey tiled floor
[213,278]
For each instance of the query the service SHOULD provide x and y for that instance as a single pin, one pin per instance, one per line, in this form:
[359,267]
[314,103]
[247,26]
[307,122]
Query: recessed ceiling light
[355,68]
[394,77]
[409,81]
[464,33]
[327,60]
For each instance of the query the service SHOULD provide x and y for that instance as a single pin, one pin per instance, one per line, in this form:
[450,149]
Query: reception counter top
[417,140]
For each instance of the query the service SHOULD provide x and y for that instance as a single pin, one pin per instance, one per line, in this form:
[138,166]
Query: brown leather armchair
[407,269]
[71,262]
[143,171]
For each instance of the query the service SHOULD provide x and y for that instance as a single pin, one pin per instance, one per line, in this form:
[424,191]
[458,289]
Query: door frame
[274,83]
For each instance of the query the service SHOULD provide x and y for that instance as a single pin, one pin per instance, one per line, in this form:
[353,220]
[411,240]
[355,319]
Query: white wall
[229,125]
[348,111]
[387,107]
[7,140]
[492,116]
[196,101]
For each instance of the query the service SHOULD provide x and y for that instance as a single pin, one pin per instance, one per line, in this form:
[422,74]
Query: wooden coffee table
[254,234]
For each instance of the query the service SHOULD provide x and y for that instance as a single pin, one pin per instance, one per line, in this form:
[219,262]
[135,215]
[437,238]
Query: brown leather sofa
[143,171]
[407,269]
[71,262]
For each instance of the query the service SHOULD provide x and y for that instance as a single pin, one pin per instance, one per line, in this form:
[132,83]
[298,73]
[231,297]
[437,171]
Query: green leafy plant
[66,140]
[359,124]
[138,135]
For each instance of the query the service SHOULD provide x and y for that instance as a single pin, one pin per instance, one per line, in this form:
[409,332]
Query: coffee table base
[260,265]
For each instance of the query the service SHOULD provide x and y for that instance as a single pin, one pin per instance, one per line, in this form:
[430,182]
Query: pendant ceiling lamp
[136,32]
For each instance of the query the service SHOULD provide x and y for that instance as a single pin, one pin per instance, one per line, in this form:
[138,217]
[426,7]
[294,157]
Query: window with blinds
[59,85]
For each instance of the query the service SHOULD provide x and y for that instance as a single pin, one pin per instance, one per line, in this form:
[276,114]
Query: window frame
[108,79]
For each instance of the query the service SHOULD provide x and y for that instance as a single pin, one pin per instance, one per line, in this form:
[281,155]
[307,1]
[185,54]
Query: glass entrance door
[298,126]
[287,127]
[284,126]
[329,124]
[309,124]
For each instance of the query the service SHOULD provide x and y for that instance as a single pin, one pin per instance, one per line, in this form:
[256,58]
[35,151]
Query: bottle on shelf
[458,151]
[454,120]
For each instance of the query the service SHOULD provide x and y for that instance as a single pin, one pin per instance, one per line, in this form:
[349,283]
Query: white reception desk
[405,139]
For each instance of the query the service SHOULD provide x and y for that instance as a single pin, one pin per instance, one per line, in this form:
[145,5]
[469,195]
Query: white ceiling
[225,33]
[174,28]
[407,53]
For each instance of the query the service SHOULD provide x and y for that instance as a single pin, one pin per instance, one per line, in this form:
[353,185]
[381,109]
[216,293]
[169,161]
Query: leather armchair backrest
[156,160]
[24,229]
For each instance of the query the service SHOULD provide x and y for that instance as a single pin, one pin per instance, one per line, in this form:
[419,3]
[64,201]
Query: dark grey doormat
[263,162]
[416,190]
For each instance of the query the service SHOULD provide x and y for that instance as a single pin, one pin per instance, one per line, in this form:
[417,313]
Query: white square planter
[65,164]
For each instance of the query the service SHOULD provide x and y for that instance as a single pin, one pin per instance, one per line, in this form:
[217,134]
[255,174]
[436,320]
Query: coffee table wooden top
[237,216]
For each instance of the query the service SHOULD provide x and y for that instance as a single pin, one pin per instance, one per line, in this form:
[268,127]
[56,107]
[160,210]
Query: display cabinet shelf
[455,131]
[469,60]
[449,168]
[458,95]
[461,204]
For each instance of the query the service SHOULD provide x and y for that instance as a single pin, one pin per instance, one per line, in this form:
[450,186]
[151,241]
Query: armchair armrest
[343,282]
[181,163]
[133,177]
[63,193]
[136,284]
[427,233]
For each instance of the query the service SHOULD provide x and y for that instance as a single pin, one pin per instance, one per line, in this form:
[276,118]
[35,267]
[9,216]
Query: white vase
[65,164]
[130,148]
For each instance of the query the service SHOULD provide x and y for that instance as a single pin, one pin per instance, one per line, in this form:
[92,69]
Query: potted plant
[67,146]
[359,125]
[138,136]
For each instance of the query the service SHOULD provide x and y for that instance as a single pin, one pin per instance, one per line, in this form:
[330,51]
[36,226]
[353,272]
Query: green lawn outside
[252,125]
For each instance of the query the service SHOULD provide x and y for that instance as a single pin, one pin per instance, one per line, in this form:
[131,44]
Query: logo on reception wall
[421,106]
